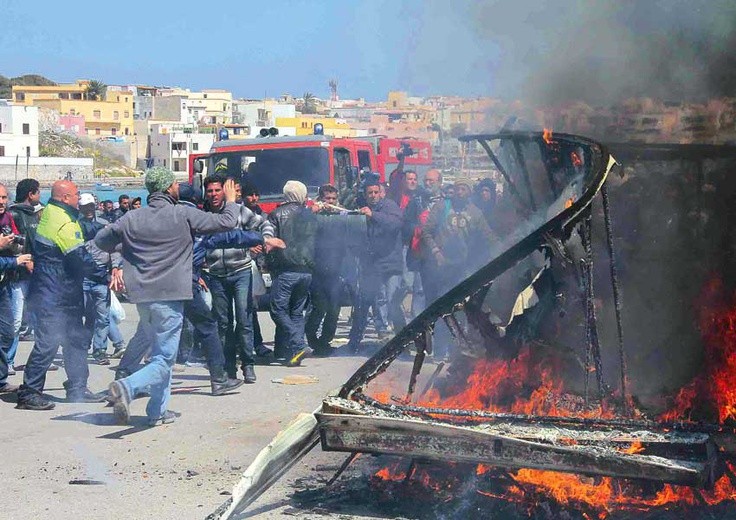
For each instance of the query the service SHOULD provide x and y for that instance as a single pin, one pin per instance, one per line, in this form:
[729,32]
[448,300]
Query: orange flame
[716,383]
[636,447]
[547,135]
[575,159]
[504,386]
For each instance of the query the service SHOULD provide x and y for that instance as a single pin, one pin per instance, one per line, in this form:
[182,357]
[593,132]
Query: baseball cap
[86,198]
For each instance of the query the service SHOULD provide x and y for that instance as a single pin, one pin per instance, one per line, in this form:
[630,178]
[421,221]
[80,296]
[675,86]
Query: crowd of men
[193,264]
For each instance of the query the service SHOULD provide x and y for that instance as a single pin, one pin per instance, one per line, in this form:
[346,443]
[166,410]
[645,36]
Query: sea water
[101,195]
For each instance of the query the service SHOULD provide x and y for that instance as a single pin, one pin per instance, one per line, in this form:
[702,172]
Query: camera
[406,151]
[20,240]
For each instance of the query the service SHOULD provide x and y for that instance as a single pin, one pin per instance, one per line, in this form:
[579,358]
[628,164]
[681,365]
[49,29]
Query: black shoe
[263,351]
[298,357]
[221,387]
[7,388]
[121,402]
[34,402]
[85,396]
[118,353]
[101,358]
[167,418]
[249,374]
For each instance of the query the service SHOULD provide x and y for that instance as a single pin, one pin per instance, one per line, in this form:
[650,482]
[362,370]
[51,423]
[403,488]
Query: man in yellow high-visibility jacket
[56,301]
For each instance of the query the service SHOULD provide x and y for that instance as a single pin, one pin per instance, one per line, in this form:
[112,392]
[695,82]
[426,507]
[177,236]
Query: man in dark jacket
[326,285]
[157,267]
[57,302]
[291,272]
[251,195]
[96,285]
[108,211]
[123,206]
[380,263]
[26,218]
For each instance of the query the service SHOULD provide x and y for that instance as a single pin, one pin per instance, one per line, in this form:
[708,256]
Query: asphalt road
[178,471]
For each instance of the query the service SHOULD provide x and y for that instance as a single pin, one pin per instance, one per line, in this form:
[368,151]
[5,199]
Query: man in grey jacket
[229,278]
[157,267]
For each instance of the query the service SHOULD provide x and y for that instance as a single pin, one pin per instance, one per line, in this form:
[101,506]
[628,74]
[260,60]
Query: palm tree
[96,90]
[309,103]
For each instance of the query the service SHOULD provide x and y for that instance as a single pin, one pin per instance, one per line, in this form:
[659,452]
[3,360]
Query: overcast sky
[549,51]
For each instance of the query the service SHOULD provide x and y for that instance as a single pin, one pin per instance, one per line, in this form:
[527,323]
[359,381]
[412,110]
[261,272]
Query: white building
[208,107]
[18,130]
[171,144]
[258,114]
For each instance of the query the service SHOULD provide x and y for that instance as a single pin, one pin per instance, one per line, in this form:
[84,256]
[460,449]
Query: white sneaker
[11,370]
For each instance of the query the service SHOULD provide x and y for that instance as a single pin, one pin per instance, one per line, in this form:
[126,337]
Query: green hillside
[6,84]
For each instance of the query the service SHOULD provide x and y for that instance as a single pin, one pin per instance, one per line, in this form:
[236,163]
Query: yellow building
[304,125]
[397,99]
[113,116]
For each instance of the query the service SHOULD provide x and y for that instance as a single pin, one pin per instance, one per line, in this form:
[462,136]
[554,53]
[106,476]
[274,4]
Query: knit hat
[295,191]
[159,178]
[188,193]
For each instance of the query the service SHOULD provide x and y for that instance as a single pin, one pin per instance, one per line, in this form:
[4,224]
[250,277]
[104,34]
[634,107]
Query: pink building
[73,124]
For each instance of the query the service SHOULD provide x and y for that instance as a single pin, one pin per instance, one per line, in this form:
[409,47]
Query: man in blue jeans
[157,269]
[291,272]
[229,277]
[380,263]
[7,263]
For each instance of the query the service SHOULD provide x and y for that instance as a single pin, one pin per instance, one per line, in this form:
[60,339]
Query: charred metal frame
[465,292]
[393,428]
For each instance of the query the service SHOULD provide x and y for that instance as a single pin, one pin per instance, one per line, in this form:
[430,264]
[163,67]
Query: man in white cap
[291,272]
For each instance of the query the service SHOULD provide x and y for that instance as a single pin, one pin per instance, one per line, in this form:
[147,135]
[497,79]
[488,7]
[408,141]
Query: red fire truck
[270,161]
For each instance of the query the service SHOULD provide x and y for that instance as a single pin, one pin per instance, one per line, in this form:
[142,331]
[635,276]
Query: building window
[28,151]
[2,151]
[96,114]
[77,95]
[115,115]
[20,96]
[205,96]
[177,165]
[63,95]
[126,114]
[97,131]
[26,128]
[72,112]
[179,147]
[195,147]
[126,131]
[1,128]
[224,107]
[114,131]
[304,124]
[164,163]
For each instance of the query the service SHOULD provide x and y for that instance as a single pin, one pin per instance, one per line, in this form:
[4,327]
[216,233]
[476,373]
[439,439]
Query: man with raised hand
[157,266]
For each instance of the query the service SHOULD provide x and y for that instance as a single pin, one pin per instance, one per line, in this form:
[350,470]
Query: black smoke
[607,51]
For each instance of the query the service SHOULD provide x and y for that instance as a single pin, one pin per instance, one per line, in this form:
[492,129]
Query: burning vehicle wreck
[523,397]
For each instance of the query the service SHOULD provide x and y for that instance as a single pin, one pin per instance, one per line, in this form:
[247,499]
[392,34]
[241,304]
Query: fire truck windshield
[269,169]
